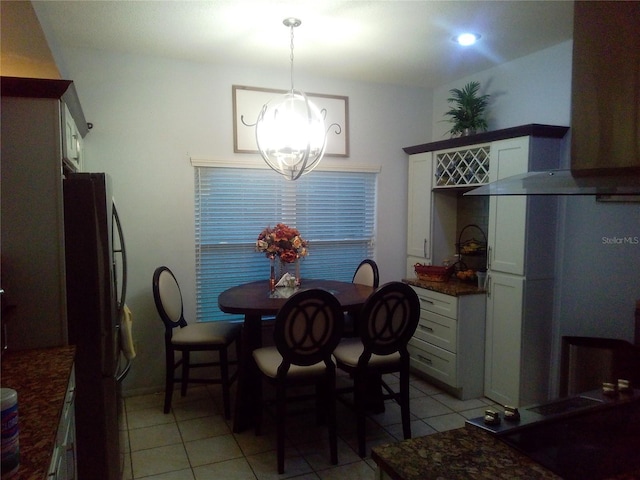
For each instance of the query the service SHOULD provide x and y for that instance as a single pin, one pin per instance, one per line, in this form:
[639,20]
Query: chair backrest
[308,328]
[367,273]
[388,320]
[168,298]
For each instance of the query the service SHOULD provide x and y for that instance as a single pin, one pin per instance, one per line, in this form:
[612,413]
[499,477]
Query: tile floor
[195,442]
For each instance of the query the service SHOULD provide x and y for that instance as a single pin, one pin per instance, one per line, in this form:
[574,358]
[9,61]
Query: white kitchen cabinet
[520,255]
[506,243]
[72,145]
[419,210]
[448,345]
[63,460]
[521,262]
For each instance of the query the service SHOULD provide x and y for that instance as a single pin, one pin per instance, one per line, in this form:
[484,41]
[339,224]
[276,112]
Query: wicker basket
[433,273]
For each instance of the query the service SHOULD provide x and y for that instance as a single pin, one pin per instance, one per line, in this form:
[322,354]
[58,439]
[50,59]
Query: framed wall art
[248,101]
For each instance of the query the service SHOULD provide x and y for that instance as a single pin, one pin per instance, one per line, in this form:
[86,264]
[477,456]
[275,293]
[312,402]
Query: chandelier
[290,130]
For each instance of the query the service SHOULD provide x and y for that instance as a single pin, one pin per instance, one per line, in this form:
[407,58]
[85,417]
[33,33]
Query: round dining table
[255,301]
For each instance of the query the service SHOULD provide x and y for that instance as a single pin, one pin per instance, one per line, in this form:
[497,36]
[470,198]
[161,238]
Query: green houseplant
[467,114]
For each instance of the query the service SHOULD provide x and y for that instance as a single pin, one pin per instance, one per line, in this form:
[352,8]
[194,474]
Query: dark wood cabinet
[605,106]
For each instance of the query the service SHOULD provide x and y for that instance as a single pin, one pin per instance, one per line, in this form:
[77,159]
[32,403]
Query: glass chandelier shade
[290,134]
[290,130]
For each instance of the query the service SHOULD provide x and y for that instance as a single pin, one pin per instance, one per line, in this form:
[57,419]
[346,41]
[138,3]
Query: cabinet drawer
[437,302]
[438,330]
[433,361]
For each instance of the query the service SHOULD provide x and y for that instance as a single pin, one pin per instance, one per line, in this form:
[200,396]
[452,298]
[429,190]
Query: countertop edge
[454,288]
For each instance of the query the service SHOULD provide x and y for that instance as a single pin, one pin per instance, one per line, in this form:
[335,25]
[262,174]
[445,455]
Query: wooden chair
[387,321]
[366,274]
[307,329]
[196,337]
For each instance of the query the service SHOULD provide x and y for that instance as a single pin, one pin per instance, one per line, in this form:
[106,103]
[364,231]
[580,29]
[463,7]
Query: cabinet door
[72,141]
[503,338]
[507,214]
[605,86]
[419,207]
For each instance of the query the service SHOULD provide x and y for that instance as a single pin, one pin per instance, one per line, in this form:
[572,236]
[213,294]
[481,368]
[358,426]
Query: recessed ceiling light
[466,39]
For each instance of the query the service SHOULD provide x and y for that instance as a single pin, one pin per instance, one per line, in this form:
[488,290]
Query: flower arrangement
[282,241]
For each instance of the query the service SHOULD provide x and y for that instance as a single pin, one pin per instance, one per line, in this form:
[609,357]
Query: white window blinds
[334,212]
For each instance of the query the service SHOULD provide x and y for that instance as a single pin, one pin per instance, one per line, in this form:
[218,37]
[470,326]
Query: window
[334,211]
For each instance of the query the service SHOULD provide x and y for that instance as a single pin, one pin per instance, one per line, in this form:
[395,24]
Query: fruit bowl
[467,275]
[433,273]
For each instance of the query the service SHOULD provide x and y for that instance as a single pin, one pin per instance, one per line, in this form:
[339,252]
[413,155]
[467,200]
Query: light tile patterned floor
[195,442]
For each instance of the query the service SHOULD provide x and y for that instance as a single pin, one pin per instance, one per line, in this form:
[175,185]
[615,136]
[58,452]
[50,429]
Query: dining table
[257,302]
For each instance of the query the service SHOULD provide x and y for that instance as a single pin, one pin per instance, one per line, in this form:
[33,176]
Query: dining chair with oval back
[366,274]
[194,337]
[307,329]
[387,321]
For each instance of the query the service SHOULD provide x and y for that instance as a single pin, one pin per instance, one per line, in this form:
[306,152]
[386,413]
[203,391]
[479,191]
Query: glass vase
[292,268]
[272,274]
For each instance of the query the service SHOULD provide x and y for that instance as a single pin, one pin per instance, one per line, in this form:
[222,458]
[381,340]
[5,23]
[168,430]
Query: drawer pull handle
[425,359]
[428,329]
[427,301]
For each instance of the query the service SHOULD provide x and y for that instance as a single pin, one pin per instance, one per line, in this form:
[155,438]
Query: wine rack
[462,167]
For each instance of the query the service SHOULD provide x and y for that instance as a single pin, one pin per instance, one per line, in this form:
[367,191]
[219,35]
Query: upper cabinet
[72,148]
[419,210]
[605,101]
[440,172]
[73,125]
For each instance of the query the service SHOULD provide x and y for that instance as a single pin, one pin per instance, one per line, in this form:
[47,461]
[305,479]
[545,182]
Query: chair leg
[405,405]
[185,372]
[168,382]
[321,399]
[257,406]
[224,380]
[331,409]
[359,391]
[281,409]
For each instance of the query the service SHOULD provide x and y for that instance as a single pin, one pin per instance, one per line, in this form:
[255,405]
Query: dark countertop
[466,453]
[40,377]
[453,287]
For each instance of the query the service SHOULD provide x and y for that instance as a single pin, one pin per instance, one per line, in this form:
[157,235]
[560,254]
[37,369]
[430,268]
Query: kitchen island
[41,377]
[466,453]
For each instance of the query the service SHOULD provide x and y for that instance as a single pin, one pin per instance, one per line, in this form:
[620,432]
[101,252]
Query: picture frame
[248,102]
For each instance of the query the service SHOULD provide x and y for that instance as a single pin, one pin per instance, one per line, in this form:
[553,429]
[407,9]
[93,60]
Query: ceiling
[397,42]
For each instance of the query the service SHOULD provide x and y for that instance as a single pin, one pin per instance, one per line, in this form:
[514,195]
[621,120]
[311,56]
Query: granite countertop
[466,453]
[40,377]
[453,287]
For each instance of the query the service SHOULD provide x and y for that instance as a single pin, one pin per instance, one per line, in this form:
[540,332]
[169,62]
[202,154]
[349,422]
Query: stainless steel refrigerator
[96,273]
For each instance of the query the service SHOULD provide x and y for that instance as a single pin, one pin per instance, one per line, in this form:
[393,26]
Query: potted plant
[467,115]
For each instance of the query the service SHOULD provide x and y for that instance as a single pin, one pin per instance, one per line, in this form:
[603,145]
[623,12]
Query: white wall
[598,280]
[532,89]
[152,114]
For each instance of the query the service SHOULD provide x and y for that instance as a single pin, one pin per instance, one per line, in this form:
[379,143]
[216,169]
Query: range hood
[563,182]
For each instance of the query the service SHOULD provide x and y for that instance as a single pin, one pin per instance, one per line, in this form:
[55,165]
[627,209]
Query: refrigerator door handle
[123,374]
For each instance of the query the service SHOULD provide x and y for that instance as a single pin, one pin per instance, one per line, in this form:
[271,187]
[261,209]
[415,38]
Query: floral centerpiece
[282,241]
